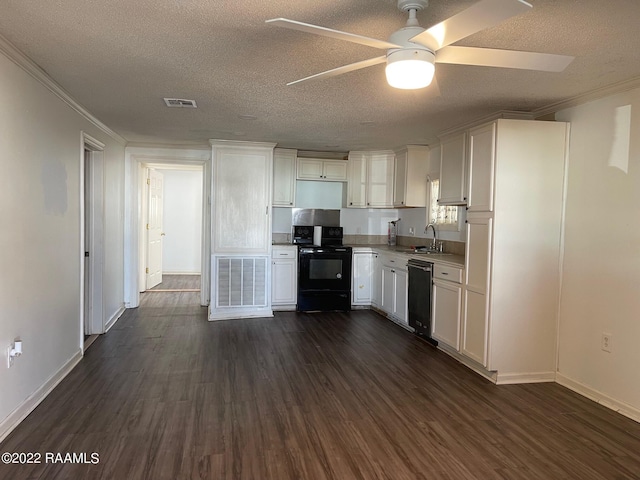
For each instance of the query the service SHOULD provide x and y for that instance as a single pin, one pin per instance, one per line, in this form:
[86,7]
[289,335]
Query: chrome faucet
[434,244]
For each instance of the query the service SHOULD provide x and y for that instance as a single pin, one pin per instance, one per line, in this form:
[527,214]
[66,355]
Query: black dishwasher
[419,301]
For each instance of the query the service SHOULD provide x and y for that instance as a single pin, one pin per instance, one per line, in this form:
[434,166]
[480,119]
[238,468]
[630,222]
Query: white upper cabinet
[410,176]
[322,170]
[357,183]
[380,179]
[284,177]
[371,179]
[481,165]
[452,170]
[242,173]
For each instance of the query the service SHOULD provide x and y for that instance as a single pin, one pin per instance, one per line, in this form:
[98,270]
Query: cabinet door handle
[443,273]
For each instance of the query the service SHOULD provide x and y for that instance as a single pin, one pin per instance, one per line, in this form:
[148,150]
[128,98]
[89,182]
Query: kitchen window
[444,216]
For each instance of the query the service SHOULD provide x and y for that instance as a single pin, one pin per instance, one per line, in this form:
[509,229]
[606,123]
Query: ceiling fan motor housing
[406,5]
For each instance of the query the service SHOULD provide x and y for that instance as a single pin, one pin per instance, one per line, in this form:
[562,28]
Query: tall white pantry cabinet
[511,285]
[241,237]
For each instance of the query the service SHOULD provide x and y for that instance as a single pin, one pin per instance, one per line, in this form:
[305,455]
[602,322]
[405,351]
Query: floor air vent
[180,103]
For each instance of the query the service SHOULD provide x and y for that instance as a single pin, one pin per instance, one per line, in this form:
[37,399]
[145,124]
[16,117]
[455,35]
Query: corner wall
[601,266]
[40,247]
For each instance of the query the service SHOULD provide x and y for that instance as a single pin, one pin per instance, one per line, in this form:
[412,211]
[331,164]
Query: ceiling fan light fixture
[410,69]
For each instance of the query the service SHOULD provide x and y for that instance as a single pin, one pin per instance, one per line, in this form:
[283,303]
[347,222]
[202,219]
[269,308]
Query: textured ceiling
[119,58]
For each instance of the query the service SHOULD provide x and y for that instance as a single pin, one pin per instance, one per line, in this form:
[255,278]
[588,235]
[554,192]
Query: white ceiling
[119,58]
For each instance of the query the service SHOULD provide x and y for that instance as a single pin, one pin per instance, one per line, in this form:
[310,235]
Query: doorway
[92,239]
[172,235]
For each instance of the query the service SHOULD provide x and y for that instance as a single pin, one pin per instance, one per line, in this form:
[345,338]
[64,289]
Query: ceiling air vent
[180,103]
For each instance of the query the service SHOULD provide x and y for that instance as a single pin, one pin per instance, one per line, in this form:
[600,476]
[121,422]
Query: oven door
[324,270]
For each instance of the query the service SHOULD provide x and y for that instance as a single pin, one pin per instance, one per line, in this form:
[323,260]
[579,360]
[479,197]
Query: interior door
[154,229]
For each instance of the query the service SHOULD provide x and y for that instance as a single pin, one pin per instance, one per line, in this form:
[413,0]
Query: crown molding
[29,66]
[170,146]
[596,94]
[486,119]
[242,144]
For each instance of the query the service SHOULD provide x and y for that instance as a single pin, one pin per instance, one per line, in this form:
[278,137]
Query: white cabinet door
[452,170]
[284,177]
[475,324]
[318,169]
[376,284]
[401,292]
[380,180]
[362,265]
[481,159]
[388,290]
[410,176]
[242,196]
[310,169]
[400,178]
[283,282]
[445,318]
[334,170]
[357,180]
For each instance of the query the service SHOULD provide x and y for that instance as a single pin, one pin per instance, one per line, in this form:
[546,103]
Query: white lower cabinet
[376,281]
[394,288]
[446,304]
[284,277]
[361,287]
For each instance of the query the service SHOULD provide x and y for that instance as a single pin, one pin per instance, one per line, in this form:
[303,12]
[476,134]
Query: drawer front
[284,253]
[395,262]
[452,274]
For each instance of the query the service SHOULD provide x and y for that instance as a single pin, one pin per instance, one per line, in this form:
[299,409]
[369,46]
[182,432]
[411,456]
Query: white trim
[170,146]
[33,400]
[486,119]
[467,362]
[24,62]
[596,94]
[239,313]
[517,378]
[233,143]
[163,158]
[592,394]
[565,190]
[114,318]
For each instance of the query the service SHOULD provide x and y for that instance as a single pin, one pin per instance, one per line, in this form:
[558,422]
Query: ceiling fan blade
[344,69]
[489,57]
[479,16]
[328,32]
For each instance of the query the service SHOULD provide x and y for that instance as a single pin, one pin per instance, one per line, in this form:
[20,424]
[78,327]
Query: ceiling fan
[413,51]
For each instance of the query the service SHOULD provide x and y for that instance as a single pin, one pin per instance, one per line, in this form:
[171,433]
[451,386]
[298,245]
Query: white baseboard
[24,409]
[114,318]
[513,378]
[238,313]
[592,394]
[284,308]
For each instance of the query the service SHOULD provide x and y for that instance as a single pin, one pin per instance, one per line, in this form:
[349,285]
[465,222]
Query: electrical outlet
[412,231]
[606,342]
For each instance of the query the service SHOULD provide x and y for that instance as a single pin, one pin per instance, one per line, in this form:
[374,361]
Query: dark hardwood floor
[167,395]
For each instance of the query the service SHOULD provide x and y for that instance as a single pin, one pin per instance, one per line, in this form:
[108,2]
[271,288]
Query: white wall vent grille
[180,103]
[242,282]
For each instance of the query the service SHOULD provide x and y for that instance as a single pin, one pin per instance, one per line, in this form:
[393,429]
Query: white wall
[182,222]
[601,267]
[40,249]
